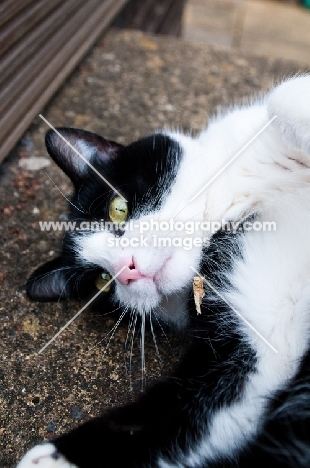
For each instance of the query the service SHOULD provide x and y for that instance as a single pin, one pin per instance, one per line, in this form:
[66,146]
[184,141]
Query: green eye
[102,280]
[118,210]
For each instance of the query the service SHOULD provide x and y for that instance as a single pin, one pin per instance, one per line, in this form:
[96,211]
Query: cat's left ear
[73,149]
[49,282]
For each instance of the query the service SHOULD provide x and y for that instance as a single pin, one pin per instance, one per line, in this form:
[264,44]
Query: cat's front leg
[158,426]
[170,424]
[134,435]
[131,436]
[44,456]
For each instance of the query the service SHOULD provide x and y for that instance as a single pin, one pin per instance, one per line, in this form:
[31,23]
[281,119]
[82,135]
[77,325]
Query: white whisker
[132,341]
[142,347]
[155,342]
[113,330]
[160,325]
[82,211]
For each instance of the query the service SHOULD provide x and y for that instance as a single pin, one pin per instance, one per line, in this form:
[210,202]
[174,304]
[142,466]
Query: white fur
[272,289]
[87,152]
[257,175]
[41,456]
[273,294]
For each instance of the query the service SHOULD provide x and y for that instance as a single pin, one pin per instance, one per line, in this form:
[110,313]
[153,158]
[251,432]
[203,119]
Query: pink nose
[130,273]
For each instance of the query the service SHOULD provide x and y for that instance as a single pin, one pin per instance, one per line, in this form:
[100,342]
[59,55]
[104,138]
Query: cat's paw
[44,456]
[290,102]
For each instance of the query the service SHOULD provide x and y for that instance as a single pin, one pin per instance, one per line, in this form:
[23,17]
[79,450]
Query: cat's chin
[142,295]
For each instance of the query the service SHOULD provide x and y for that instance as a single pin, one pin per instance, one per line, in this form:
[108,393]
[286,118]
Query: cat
[240,396]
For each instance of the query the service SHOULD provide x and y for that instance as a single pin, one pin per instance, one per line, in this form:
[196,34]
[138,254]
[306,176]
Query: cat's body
[240,396]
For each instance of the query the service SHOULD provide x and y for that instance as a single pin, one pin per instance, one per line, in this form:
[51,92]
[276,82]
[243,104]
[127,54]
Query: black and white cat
[240,396]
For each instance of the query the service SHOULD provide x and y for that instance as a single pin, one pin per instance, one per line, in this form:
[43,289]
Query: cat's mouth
[131,273]
[152,289]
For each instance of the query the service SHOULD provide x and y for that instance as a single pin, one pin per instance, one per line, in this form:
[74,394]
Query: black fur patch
[143,172]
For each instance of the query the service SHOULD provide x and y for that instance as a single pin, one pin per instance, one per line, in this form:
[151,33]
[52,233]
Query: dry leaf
[198,292]
[148,44]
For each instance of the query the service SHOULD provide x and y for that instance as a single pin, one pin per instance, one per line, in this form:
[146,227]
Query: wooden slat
[30,71]
[24,22]
[24,51]
[10,8]
[40,78]
[41,41]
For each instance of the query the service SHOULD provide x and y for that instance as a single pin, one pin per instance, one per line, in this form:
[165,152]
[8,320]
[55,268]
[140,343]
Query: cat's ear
[49,282]
[73,149]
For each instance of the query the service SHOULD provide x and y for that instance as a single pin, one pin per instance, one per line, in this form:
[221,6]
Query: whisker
[107,313]
[84,212]
[64,287]
[132,341]
[142,348]
[113,330]
[78,196]
[132,314]
[160,325]
[97,209]
[155,342]
[44,275]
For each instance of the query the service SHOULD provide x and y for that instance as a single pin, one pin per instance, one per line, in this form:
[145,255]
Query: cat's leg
[206,415]
[290,102]
[44,456]
[161,427]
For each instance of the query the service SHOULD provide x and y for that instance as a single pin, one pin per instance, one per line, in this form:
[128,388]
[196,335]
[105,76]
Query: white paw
[44,456]
[290,101]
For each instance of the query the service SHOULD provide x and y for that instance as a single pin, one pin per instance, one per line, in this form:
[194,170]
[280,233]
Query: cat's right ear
[49,282]
[73,150]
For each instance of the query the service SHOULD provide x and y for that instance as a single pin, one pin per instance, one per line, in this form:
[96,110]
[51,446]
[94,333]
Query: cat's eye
[101,282]
[118,210]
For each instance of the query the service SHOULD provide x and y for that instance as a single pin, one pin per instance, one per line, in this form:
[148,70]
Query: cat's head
[126,204]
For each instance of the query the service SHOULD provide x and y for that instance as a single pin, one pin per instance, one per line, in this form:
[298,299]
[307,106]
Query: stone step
[128,85]
[275,29]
